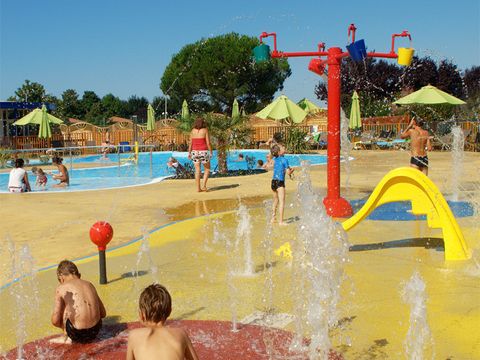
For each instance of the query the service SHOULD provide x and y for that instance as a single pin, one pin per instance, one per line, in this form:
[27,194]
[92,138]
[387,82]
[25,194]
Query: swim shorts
[420,161]
[15,189]
[82,336]
[277,183]
[200,156]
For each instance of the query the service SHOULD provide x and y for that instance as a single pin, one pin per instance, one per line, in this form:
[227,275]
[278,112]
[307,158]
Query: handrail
[75,148]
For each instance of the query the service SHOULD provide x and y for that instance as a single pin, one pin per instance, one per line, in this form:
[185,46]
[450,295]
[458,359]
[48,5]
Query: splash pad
[191,259]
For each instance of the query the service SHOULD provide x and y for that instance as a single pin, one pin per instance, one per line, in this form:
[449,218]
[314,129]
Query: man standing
[419,145]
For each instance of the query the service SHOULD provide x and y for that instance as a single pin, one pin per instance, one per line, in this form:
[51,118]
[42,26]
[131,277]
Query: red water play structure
[335,205]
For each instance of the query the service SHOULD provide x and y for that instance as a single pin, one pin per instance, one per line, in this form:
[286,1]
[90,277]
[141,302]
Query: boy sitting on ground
[78,308]
[155,340]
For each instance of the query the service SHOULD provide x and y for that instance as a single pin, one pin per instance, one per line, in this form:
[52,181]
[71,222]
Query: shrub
[295,141]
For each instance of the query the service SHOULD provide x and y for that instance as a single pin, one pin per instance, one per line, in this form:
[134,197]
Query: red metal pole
[335,205]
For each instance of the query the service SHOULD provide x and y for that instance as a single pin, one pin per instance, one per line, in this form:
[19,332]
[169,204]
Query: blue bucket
[261,53]
[357,50]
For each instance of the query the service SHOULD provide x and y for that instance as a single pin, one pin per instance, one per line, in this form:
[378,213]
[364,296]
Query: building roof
[14,105]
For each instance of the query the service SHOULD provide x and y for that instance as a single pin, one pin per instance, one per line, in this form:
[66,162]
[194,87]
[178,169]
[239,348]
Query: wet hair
[57,160]
[19,163]
[155,303]
[240,156]
[66,267]
[199,123]
[275,150]
[278,137]
[40,171]
[260,162]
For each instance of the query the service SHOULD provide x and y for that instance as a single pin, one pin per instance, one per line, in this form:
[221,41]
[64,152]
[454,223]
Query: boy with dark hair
[155,340]
[78,308]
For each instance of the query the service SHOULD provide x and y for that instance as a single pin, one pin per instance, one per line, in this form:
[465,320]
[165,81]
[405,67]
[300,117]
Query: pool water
[120,171]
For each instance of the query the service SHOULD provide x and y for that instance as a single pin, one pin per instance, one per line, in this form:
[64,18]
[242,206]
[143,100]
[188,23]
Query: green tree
[212,72]
[89,98]
[31,92]
[422,72]
[70,106]
[450,79]
[471,78]
[96,114]
[137,106]
[113,106]
[376,81]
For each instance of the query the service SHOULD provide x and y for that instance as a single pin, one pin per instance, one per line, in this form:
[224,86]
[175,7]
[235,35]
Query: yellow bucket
[405,56]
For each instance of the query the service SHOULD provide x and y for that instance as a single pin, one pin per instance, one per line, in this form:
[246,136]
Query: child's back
[160,343]
[82,304]
[78,308]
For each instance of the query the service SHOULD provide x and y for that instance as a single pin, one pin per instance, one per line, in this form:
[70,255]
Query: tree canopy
[380,82]
[212,72]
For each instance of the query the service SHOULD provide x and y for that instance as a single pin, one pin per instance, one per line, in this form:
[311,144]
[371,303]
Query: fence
[169,138]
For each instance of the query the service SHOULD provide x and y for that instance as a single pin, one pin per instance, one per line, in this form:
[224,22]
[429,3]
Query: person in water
[63,173]
[18,178]
[174,164]
[200,152]
[419,144]
[157,340]
[41,177]
[78,309]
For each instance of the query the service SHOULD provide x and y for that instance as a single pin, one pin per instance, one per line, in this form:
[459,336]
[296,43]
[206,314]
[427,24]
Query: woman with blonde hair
[200,151]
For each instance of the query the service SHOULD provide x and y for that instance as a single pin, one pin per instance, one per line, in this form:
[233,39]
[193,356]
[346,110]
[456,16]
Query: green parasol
[282,108]
[235,110]
[355,119]
[42,118]
[150,118]
[185,112]
[308,106]
[429,95]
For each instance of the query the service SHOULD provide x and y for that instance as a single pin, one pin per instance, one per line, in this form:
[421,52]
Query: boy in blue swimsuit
[280,167]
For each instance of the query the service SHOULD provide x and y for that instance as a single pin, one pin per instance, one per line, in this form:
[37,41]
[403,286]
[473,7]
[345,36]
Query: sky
[123,47]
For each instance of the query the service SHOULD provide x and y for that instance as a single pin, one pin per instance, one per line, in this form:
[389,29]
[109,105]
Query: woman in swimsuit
[63,175]
[200,151]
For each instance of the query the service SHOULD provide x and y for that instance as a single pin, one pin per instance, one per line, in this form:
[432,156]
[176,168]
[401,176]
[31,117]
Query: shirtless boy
[78,308]
[419,145]
[63,175]
[156,340]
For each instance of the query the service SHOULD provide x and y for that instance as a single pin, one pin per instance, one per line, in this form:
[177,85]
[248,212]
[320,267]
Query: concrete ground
[191,257]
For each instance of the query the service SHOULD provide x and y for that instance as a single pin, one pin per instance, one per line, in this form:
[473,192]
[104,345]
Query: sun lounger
[367,141]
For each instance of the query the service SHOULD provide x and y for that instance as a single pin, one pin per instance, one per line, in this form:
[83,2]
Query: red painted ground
[211,339]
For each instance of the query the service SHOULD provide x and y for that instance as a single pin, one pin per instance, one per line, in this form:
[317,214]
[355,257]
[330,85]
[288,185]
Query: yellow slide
[409,184]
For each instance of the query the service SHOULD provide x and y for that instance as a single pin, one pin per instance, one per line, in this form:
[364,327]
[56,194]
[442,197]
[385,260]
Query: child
[260,164]
[155,340]
[78,308]
[278,182]
[269,163]
[41,177]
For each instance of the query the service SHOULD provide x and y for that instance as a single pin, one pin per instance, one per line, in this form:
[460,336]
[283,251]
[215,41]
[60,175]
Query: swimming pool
[119,171]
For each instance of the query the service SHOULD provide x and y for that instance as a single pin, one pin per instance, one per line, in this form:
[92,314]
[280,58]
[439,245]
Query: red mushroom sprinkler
[101,233]
[335,205]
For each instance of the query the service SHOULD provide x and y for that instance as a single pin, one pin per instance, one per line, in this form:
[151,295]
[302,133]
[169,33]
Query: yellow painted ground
[192,260]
